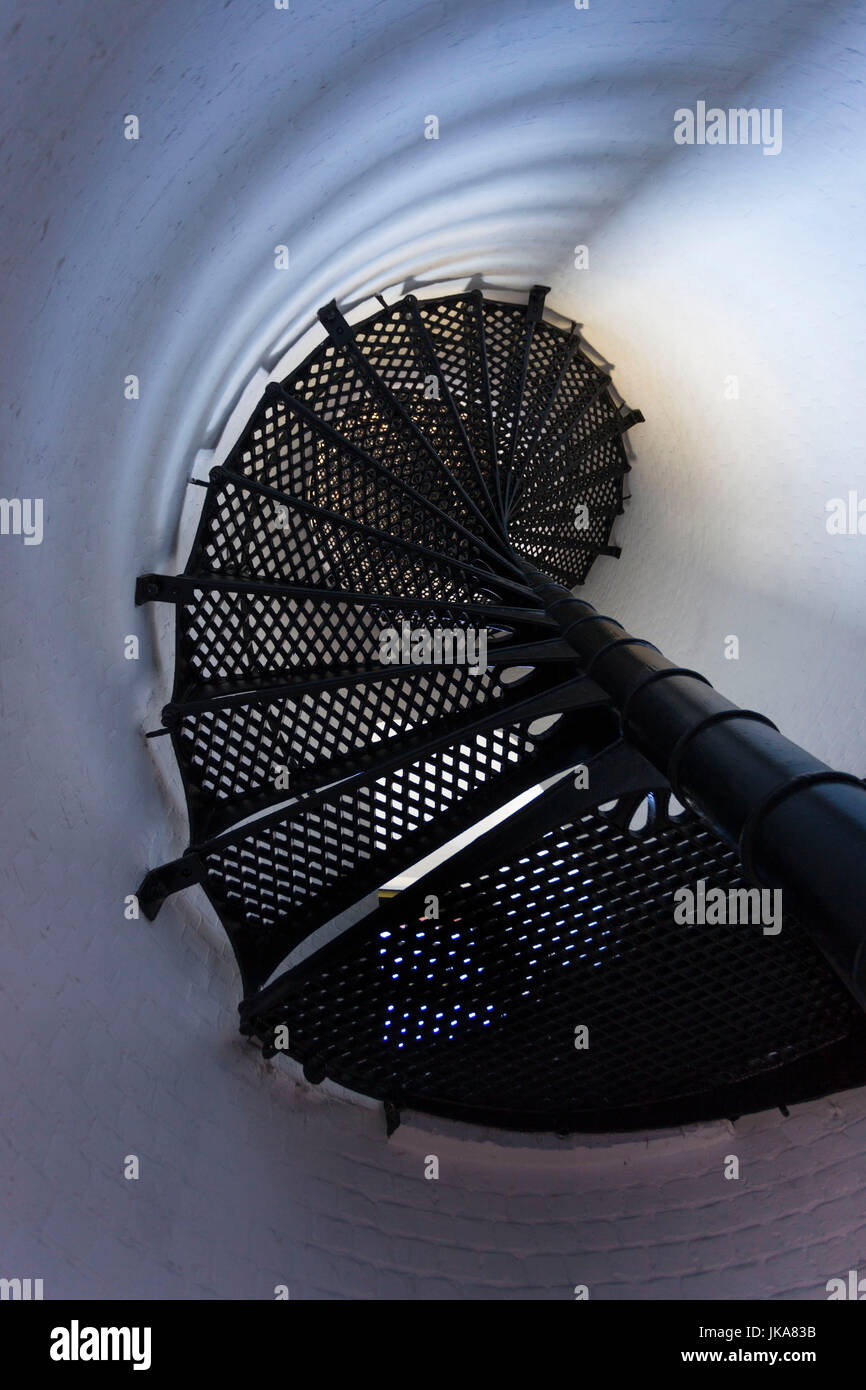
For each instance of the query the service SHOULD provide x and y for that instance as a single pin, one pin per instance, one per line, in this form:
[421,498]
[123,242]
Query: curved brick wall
[155,257]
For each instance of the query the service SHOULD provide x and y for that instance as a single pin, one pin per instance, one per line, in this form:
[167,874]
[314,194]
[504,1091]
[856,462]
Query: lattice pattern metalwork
[475,1014]
[394,487]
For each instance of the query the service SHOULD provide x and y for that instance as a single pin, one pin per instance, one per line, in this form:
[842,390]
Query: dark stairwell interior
[728,292]
[456,464]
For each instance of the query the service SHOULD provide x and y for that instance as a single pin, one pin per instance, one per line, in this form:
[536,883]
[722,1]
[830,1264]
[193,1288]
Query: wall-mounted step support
[458,463]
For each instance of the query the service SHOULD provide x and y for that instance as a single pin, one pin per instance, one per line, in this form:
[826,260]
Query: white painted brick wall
[156,258]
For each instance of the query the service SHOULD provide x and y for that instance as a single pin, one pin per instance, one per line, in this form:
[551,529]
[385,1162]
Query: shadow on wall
[156,257]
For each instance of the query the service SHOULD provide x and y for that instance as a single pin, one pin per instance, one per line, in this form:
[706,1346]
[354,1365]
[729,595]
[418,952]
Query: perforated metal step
[554,988]
[391,488]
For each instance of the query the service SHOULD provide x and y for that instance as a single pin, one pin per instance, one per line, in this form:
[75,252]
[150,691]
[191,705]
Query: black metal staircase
[455,466]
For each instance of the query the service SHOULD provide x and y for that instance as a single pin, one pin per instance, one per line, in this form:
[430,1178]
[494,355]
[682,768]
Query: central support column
[796,823]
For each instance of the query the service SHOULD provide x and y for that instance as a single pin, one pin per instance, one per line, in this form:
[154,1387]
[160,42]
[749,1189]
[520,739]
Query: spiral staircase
[456,464]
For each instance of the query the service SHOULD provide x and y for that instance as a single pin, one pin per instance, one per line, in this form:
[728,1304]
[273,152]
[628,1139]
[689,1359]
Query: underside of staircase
[422,471]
